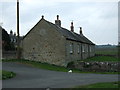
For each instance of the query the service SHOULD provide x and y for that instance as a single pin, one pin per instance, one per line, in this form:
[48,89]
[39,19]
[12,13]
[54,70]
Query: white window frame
[71,48]
[11,39]
[83,48]
[78,47]
[87,48]
[90,49]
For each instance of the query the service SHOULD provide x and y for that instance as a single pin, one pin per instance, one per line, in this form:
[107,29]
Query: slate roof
[71,35]
[67,34]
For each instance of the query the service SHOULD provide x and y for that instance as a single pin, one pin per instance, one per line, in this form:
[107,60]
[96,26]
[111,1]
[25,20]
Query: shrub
[71,65]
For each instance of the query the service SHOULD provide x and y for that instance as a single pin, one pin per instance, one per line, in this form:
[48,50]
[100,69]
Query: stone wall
[9,55]
[97,66]
[88,51]
[44,44]
[74,55]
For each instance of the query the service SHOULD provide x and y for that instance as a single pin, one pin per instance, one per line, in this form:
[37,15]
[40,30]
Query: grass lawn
[102,58]
[53,67]
[101,85]
[6,74]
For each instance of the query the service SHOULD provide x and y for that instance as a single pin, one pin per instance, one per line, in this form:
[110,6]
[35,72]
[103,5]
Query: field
[102,59]
[107,50]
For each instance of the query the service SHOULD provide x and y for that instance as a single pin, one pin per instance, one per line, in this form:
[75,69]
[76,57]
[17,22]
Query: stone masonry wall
[9,55]
[97,66]
[81,55]
[44,44]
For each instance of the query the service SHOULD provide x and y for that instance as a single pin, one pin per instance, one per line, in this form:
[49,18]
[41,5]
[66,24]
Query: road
[30,77]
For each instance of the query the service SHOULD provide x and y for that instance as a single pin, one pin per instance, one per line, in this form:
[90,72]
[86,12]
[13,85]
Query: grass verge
[101,85]
[6,74]
[52,67]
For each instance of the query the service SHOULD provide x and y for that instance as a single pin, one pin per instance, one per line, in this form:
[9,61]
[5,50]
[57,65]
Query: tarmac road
[30,77]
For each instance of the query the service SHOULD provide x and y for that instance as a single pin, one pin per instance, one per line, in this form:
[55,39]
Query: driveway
[30,77]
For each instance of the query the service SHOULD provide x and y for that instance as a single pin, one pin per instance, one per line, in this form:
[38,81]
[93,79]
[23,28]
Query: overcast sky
[98,18]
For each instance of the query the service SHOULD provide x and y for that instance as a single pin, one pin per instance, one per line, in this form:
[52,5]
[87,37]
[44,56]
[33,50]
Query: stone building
[13,39]
[51,43]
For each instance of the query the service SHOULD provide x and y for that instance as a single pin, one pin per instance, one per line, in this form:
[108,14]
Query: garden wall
[9,55]
[97,66]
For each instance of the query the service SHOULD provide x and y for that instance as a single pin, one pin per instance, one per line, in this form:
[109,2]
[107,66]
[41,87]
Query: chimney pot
[11,32]
[14,34]
[57,17]
[80,30]
[42,17]
[72,27]
[58,22]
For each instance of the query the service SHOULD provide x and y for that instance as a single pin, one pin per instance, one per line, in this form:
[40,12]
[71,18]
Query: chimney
[14,34]
[72,27]
[58,22]
[80,30]
[11,32]
[42,17]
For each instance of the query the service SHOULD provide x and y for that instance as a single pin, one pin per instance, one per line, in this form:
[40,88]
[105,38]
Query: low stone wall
[9,55]
[97,66]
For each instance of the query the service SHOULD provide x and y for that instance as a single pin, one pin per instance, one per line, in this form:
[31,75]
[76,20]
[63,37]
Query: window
[78,47]
[83,48]
[86,48]
[71,48]
[12,40]
[90,49]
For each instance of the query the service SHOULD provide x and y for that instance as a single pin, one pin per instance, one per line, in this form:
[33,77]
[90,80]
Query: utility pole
[18,35]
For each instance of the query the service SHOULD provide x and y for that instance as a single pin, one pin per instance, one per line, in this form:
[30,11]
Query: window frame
[71,49]
[78,48]
[83,48]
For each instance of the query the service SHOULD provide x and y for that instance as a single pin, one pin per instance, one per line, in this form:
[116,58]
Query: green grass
[101,85]
[107,51]
[53,67]
[39,65]
[102,58]
[6,74]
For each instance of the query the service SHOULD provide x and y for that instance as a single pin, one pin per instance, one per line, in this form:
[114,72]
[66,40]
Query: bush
[71,65]
[7,75]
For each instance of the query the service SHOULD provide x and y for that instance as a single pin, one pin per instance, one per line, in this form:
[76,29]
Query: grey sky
[99,19]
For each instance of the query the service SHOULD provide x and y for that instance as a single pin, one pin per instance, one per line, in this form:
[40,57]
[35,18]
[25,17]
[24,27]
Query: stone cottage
[51,43]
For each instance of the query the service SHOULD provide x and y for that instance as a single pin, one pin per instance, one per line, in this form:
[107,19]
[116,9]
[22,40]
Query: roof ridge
[65,32]
[71,35]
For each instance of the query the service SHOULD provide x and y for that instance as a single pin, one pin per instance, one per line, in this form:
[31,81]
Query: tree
[6,42]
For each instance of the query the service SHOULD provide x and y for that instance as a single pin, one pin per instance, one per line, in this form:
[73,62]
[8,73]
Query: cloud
[30,1]
[94,17]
